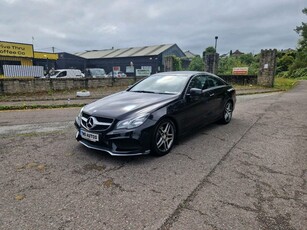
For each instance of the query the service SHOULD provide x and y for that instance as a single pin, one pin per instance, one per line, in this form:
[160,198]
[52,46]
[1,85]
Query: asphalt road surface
[249,174]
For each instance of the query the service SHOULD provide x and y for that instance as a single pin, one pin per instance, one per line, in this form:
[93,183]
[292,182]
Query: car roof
[185,73]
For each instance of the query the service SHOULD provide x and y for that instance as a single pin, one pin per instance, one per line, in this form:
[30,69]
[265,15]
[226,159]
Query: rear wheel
[163,137]
[227,113]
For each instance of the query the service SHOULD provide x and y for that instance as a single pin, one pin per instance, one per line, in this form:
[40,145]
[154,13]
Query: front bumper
[119,142]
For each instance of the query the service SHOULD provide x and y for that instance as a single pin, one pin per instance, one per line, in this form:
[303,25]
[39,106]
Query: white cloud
[53,33]
[77,25]
[107,29]
[10,1]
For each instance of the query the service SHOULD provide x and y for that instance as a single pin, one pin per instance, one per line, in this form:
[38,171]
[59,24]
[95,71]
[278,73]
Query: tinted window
[213,82]
[198,82]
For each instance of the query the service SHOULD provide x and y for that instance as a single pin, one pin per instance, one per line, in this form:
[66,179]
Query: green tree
[197,64]
[302,31]
[209,50]
[177,63]
[299,66]
[226,64]
[246,59]
[284,62]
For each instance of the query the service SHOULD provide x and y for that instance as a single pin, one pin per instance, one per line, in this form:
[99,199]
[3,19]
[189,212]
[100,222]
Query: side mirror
[195,92]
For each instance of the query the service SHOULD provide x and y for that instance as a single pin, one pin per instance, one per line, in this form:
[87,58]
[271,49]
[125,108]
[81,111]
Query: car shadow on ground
[97,155]
[202,130]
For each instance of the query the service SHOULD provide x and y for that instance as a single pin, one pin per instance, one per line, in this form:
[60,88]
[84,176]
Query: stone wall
[267,68]
[211,62]
[16,86]
[20,86]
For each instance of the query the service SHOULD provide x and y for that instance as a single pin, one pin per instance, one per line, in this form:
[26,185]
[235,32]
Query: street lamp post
[216,37]
[214,58]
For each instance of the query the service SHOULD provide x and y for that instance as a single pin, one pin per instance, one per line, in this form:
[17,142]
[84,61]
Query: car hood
[125,103]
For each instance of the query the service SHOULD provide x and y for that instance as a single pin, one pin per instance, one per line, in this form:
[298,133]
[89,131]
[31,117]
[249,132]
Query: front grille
[100,123]
[85,115]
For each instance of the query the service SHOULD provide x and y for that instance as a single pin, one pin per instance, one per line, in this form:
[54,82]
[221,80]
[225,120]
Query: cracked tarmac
[249,174]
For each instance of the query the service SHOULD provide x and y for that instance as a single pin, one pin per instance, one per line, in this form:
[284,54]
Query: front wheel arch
[164,136]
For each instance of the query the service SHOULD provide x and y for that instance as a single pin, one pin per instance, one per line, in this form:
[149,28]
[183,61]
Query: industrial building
[130,60]
[21,54]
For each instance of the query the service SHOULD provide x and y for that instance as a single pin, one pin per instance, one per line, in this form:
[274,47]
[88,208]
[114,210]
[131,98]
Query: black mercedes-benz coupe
[150,115]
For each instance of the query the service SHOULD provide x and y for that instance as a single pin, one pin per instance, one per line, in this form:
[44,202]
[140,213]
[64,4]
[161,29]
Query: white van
[66,73]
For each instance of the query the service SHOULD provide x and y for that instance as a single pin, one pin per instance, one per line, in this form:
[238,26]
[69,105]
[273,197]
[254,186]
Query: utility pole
[52,49]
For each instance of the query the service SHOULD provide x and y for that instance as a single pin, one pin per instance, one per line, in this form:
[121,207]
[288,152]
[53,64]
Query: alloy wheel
[164,137]
[228,112]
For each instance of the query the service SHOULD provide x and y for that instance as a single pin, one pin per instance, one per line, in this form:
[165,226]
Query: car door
[216,90]
[196,106]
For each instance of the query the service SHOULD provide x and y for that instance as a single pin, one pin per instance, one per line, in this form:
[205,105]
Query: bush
[299,73]
[284,83]
[197,64]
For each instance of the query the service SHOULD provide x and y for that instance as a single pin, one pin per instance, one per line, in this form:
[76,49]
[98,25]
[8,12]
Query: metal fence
[23,71]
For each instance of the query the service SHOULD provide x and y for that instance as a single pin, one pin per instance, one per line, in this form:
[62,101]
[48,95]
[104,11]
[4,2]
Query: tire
[163,137]
[227,113]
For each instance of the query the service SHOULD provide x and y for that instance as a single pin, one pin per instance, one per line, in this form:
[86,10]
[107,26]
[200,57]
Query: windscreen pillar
[267,68]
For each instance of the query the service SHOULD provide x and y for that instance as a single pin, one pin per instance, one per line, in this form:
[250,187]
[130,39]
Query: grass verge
[24,107]
[284,84]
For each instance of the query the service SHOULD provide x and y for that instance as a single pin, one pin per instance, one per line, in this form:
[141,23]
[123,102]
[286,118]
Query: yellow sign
[43,55]
[16,49]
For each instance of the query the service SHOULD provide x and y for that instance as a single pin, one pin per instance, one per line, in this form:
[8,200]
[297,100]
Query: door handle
[211,94]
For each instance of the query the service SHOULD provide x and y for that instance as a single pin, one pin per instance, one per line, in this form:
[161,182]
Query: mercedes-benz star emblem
[90,123]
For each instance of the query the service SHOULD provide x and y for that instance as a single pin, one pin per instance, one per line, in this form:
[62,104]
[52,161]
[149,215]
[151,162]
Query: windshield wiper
[143,91]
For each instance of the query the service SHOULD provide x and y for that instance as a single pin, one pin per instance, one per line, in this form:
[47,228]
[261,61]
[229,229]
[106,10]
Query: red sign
[240,71]
[116,68]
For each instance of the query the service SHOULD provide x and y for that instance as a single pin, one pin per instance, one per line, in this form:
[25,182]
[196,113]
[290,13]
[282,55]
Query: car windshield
[53,73]
[164,84]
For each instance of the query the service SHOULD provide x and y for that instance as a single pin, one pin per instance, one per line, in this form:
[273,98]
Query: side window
[213,82]
[63,74]
[197,82]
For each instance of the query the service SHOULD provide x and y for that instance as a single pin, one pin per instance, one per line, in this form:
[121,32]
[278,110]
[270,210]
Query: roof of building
[237,52]
[189,54]
[125,52]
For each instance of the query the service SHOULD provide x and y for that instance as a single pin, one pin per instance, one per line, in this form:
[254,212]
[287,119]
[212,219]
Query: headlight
[78,118]
[80,113]
[132,122]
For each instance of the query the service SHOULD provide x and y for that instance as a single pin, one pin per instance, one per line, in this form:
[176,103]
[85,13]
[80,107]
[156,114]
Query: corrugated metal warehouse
[131,59]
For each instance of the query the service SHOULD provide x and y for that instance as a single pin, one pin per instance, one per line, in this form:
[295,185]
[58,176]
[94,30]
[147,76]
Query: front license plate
[89,136]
